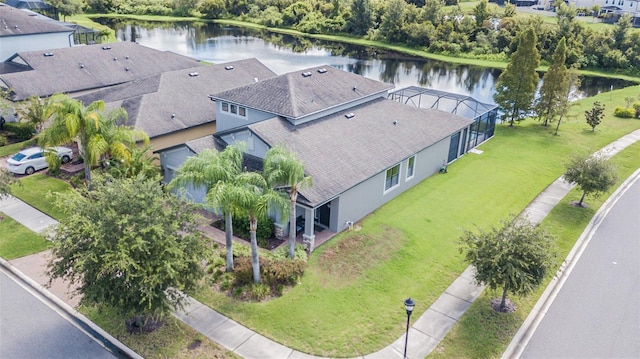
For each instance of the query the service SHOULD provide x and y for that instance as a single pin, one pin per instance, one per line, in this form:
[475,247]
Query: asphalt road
[596,313]
[32,327]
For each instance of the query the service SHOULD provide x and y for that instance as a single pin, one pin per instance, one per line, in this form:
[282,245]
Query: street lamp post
[409,304]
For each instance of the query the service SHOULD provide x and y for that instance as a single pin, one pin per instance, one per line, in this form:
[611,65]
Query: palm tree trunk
[228,235]
[292,226]
[255,262]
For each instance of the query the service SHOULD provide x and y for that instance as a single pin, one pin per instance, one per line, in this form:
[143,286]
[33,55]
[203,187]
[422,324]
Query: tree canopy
[516,86]
[595,115]
[515,257]
[98,134]
[555,87]
[593,174]
[128,245]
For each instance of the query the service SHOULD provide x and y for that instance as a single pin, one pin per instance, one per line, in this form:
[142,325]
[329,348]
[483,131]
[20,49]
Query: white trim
[413,169]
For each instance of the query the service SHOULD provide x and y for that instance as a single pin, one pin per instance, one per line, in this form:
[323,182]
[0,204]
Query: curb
[528,328]
[111,344]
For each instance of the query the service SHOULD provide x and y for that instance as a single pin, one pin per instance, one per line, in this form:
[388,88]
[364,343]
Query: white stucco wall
[9,45]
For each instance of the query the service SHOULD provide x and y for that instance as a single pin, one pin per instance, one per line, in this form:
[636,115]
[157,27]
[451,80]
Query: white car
[33,159]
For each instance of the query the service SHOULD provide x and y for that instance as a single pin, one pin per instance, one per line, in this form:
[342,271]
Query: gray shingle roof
[294,95]
[339,153]
[16,22]
[88,67]
[151,102]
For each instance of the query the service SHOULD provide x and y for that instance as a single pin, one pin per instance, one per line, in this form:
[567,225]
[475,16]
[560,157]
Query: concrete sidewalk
[427,330]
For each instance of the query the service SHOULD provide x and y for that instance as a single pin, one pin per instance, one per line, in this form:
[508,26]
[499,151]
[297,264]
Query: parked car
[33,159]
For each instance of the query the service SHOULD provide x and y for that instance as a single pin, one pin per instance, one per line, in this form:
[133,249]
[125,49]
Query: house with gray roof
[362,145]
[173,107]
[25,30]
[80,69]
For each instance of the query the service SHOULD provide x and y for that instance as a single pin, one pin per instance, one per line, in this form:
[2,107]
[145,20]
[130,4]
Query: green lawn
[17,240]
[36,189]
[484,333]
[349,301]
[15,147]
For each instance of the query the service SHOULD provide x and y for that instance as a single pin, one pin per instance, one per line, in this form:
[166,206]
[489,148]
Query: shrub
[259,291]
[3,140]
[282,272]
[241,228]
[243,271]
[54,163]
[624,112]
[21,130]
[226,281]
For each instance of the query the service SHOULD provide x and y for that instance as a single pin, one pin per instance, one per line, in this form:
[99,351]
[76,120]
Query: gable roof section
[152,102]
[301,93]
[339,153]
[81,68]
[16,22]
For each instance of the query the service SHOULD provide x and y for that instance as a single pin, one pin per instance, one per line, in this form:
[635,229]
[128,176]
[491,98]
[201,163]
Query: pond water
[284,53]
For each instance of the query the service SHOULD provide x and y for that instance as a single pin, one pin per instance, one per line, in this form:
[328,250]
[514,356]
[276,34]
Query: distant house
[38,6]
[22,30]
[362,145]
[81,69]
[173,107]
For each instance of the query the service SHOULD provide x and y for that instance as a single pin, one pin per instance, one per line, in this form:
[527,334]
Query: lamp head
[409,304]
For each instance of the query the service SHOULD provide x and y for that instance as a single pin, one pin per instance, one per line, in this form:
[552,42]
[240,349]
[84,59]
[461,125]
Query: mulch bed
[509,307]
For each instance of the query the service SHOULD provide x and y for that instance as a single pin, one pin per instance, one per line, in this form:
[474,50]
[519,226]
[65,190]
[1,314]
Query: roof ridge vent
[322,70]
[350,115]
[307,74]
[106,47]
[48,54]
[193,74]
[230,67]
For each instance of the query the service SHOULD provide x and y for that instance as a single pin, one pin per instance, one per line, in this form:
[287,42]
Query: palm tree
[215,171]
[97,133]
[36,111]
[252,196]
[283,170]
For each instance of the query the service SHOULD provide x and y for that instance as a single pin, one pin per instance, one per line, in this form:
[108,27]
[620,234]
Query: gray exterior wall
[170,161]
[255,146]
[226,121]
[366,197]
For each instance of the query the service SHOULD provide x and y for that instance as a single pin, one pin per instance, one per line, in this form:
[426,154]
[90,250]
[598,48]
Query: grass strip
[17,240]
[174,339]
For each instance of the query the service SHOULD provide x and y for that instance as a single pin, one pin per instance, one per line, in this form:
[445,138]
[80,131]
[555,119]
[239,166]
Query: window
[234,109]
[411,162]
[393,174]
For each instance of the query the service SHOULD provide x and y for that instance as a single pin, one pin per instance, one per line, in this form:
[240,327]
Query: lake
[285,53]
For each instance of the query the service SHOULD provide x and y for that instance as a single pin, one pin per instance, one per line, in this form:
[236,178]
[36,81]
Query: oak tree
[130,246]
[515,257]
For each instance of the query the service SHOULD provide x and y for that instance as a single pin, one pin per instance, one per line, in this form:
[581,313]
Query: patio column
[308,237]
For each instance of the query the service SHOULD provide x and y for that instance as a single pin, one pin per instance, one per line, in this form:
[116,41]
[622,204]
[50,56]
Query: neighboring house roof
[339,153]
[301,93]
[177,100]
[28,4]
[81,68]
[17,22]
